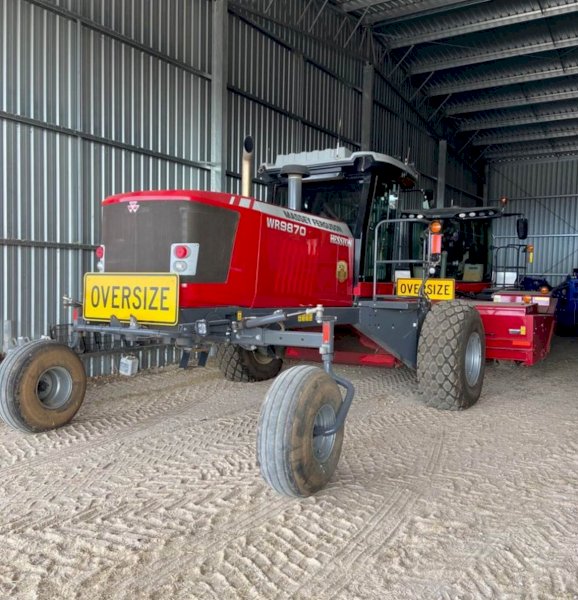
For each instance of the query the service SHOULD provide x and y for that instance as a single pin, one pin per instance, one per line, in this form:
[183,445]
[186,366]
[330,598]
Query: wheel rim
[473,358]
[323,444]
[261,356]
[54,387]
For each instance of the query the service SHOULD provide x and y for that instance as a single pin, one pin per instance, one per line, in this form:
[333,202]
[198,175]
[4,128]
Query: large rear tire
[239,364]
[294,461]
[42,386]
[451,356]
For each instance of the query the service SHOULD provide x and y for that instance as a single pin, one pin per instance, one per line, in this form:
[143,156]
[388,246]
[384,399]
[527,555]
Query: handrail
[375,243]
[520,268]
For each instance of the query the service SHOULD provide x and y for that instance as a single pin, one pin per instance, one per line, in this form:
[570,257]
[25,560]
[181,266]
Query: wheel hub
[473,358]
[323,444]
[262,356]
[54,387]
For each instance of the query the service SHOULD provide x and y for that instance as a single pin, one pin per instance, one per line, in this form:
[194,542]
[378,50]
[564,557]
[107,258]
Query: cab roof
[457,212]
[337,162]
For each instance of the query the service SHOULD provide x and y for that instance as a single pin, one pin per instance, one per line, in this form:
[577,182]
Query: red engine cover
[281,258]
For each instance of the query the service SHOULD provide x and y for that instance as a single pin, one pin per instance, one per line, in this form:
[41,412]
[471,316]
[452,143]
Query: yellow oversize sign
[436,289]
[152,298]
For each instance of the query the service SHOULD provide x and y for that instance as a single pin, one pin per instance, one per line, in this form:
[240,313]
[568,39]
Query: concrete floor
[153,492]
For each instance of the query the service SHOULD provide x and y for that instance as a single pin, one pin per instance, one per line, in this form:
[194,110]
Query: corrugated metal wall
[86,112]
[290,96]
[547,193]
[462,187]
[399,132]
[99,98]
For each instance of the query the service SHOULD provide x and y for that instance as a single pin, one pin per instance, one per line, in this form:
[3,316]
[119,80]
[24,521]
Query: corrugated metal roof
[479,61]
[532,133]
[497,44]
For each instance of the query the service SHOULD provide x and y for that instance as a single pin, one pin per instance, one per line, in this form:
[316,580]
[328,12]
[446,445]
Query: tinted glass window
[335,199]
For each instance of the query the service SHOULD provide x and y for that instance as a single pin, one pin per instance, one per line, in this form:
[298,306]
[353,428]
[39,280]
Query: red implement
[515,331]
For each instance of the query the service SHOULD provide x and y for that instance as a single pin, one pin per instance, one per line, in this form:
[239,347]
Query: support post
[367,108]
[7,336]
[486,185]
[442,163]
[299,86]
[219,116]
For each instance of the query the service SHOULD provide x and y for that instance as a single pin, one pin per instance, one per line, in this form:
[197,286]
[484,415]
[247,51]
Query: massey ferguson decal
[310,220]
[133,206]
[304,219]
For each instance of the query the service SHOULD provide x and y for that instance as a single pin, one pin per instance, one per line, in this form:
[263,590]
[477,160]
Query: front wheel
[295,460]
[238,364]
[451,356]
[42,385]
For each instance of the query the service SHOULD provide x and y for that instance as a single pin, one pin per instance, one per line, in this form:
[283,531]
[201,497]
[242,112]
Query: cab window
[337,199]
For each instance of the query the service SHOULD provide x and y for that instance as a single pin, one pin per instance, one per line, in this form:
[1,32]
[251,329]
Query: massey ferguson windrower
[198,268]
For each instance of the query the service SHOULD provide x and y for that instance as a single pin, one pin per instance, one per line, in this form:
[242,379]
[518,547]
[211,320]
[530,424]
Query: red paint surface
[468,287]
[502,322]
[364,289]
[269,267]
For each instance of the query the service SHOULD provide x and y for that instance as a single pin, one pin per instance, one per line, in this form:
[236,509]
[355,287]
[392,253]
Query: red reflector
[326,330]
[99,252]
[436,243]
[181,252]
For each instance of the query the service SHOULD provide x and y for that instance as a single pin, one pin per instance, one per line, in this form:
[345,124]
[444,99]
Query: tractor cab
[469,254]
[358,189]
[362,189]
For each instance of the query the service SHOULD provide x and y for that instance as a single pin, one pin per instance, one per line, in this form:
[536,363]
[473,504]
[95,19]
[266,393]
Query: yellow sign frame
[436,289]
[145,296]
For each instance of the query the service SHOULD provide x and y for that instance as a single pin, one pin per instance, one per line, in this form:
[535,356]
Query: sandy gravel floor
[153,492]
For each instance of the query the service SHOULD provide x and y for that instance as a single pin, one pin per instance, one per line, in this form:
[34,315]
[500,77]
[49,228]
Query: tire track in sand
[354,557]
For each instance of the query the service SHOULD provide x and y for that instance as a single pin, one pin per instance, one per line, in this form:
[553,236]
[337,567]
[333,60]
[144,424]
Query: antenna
[340,122]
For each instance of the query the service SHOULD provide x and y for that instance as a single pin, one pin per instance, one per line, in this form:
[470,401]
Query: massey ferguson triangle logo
[133,206]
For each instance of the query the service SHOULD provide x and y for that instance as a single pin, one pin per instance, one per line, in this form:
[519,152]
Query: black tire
[292,461]
[42,386]
[451,356]
[238,364]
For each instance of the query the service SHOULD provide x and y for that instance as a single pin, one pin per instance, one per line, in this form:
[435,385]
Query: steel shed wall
[175,28]
[85,113]
[547,193]
[287,100]
[313,29]
[401,132]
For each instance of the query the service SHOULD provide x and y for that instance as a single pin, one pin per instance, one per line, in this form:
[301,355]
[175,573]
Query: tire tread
[439,381]
[10,372]
[277,415]
[236,365]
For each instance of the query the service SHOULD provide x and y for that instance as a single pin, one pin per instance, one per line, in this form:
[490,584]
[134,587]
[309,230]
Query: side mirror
[428,196]
[522,228]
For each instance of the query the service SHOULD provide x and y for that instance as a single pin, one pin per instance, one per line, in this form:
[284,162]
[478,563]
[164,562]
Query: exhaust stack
[247,167]
[295,175]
